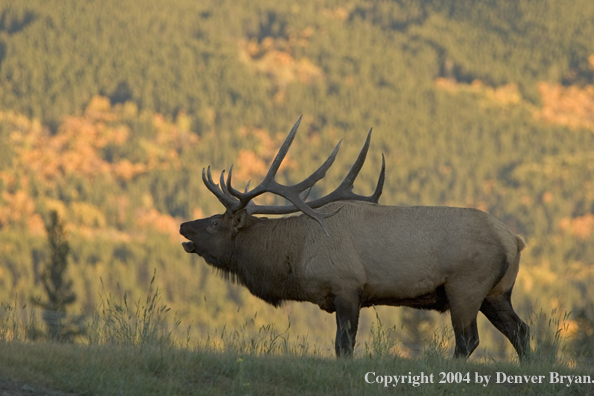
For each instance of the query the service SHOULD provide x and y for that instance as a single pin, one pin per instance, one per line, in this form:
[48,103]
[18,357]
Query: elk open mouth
[188,246]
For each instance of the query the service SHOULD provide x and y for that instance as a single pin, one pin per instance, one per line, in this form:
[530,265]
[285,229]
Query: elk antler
[235,200]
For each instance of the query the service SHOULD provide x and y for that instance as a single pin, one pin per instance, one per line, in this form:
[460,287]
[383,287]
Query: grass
[120,323]
[128,350]
[130,370]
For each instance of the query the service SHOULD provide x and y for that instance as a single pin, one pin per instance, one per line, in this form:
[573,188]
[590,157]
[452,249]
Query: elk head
[212,238]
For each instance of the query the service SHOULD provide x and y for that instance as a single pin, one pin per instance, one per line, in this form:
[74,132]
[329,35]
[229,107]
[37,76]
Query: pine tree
[55,283]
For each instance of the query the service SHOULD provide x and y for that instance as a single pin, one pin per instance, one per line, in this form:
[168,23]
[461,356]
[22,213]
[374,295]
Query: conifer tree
[57,287]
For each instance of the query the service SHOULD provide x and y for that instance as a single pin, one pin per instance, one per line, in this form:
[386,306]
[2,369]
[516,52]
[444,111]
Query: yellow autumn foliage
[75,149]
[154,220]
[571,106]
[338,13]
[100,108]
[86,214]
[249,165]
[279,65]
[17,207]
[581,227]
[505,95]
[126,170]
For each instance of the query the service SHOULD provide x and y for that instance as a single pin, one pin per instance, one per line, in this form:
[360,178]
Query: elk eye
[213,226]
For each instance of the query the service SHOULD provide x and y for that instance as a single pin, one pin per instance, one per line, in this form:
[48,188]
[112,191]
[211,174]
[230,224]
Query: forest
[110,110]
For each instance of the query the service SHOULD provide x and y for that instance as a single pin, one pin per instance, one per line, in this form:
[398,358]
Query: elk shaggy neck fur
[267,257]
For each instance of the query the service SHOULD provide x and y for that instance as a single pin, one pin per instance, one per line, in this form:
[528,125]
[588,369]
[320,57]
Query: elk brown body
[440,258]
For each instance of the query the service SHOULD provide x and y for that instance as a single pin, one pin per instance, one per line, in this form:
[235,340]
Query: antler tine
[243,199]
[303,196]
[342,192]
[269,184]
[230,188]
[289,192]
[227,200]
[320,172]
[345,190]
[238,204]
[348,181]
[246,197]
[229,175]
[208,182]
[380,182]
[224,186]
[282,152]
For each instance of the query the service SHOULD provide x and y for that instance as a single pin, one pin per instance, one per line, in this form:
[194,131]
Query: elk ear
[239,219]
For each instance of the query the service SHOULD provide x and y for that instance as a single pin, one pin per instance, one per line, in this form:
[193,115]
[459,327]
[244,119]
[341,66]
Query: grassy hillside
[239,362]
[125,371]
[109,112]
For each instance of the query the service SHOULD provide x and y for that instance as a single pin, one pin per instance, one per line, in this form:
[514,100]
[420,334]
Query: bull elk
[362,254]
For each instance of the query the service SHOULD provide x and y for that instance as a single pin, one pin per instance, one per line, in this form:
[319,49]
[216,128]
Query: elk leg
[500,312]
[347,320]
[463,311]
[467,339]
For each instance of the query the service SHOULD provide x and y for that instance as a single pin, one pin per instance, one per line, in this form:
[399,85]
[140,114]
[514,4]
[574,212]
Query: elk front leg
[467,339]
[347,320]
[463,311]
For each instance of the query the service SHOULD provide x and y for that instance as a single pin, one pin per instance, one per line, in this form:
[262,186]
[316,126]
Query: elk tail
[520,243]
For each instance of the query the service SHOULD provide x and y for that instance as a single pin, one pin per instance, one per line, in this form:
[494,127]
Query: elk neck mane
[266,258]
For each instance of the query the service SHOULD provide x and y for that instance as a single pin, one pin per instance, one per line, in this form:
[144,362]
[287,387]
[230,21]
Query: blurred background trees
[109,112]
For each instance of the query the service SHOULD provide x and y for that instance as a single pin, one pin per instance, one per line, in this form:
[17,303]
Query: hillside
[109,112]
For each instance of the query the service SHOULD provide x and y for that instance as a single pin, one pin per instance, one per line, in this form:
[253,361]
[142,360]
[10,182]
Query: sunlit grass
[143,323]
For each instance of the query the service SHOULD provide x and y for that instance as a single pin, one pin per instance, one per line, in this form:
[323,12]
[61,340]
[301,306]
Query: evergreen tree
[55,283]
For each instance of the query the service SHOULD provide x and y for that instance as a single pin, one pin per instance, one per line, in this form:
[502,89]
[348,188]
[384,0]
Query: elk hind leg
[501,314]
[347,321]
